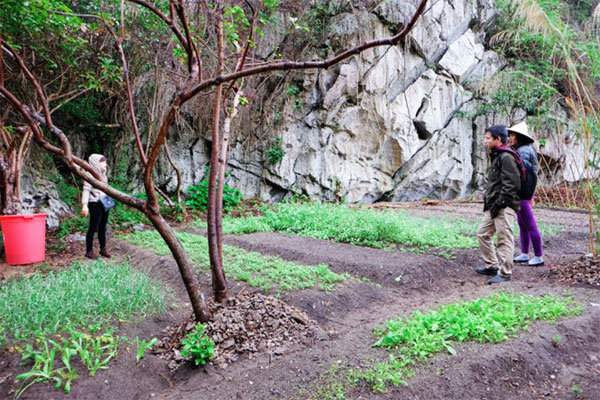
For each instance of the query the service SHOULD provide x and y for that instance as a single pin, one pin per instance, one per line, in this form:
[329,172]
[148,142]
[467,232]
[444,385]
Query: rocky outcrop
[387,124]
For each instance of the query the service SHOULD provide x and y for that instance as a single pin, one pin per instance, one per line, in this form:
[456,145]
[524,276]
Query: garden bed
[330,332]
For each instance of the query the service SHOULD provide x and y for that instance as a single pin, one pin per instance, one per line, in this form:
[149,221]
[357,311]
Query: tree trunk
[10,199]
[185,266]
[216,262]
[222,166]
[214,217]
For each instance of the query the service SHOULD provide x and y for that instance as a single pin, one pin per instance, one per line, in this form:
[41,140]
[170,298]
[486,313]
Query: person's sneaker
[486,271]
[104,253]
[523,258]
[90,254]
[498,279]
[536,262]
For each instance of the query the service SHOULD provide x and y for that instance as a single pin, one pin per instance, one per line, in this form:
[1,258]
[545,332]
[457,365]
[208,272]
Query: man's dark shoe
[498,279]
[486,271]
[104,253]
[90,254]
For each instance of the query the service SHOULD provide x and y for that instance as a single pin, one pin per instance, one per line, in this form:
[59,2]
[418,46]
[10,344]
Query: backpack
[528,175]
[529,183]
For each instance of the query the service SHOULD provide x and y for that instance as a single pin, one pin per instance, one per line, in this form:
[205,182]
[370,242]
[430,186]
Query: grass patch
[422,335]
[367,227]
[255,269]
[83,295]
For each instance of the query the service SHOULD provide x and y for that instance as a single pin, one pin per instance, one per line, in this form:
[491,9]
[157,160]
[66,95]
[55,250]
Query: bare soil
[337,327]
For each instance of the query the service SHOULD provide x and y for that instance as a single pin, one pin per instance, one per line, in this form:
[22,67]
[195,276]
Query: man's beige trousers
[501,256]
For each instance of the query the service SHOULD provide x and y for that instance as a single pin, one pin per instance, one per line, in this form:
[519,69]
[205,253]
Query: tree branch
[293,65]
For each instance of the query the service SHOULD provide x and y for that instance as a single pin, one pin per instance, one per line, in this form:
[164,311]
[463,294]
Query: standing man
[500,205]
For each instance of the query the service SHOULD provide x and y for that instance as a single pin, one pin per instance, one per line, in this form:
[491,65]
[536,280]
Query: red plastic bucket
[24,238]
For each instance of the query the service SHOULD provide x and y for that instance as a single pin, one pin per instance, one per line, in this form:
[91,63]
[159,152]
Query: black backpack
[529,183]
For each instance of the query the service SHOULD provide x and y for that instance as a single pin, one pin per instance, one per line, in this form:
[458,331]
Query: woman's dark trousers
[98,220]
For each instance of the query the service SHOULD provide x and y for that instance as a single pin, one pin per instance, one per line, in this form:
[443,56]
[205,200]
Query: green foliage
[255,269]
[490,319]
[85,114]
[332,385]
[197,345]
[547,53]
[577,390]
[67,191]
[197,196]
[84,294]
[275,153]
[142,347]
[23,20]
[95,352]
[71,225]
[367,227]
[293,91]
[121,215]
[356,226]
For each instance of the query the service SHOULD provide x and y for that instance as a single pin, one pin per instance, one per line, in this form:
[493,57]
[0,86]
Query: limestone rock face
[383,124]
[390,123]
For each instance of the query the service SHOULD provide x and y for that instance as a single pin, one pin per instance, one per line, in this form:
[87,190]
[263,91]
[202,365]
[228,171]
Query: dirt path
[527,367]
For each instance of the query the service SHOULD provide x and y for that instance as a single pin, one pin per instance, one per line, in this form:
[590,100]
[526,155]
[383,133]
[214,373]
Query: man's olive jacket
[504,182]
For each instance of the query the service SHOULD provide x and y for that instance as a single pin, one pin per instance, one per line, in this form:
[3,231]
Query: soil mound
[583,270]
[244,325]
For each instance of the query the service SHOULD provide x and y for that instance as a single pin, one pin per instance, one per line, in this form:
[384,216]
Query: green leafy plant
[490,319]
[95,351]
[577,390]
[557,339]
[275,153]
[197,345]
[42,370]
[197,196]
[292,90]
[142,347]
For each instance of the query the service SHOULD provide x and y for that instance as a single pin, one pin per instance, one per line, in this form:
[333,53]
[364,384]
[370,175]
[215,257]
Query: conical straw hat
[521,129]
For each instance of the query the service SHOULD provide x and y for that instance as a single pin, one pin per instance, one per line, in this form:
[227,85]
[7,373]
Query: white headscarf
[94,161]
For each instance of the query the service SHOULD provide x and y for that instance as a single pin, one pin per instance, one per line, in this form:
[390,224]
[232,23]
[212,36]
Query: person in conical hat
[521,139]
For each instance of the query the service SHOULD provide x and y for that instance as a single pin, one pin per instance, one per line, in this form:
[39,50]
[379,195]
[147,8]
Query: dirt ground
[530,366]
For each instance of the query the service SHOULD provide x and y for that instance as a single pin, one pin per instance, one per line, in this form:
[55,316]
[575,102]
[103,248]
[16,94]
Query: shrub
[275,153]
[197,196]
[198,346]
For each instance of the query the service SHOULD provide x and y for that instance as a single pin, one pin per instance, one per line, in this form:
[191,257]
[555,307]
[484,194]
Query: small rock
[75,237]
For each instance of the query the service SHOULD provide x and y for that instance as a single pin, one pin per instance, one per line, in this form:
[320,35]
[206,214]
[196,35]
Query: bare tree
[223,76]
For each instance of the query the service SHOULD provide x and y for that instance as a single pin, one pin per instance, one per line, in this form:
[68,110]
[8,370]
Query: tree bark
[216,262]
[183,263]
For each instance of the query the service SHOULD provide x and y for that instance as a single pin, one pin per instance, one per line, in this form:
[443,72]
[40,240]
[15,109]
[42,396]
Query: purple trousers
[528,230]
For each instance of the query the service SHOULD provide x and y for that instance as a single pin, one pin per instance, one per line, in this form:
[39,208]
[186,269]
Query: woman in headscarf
[91,200]
[520,139]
